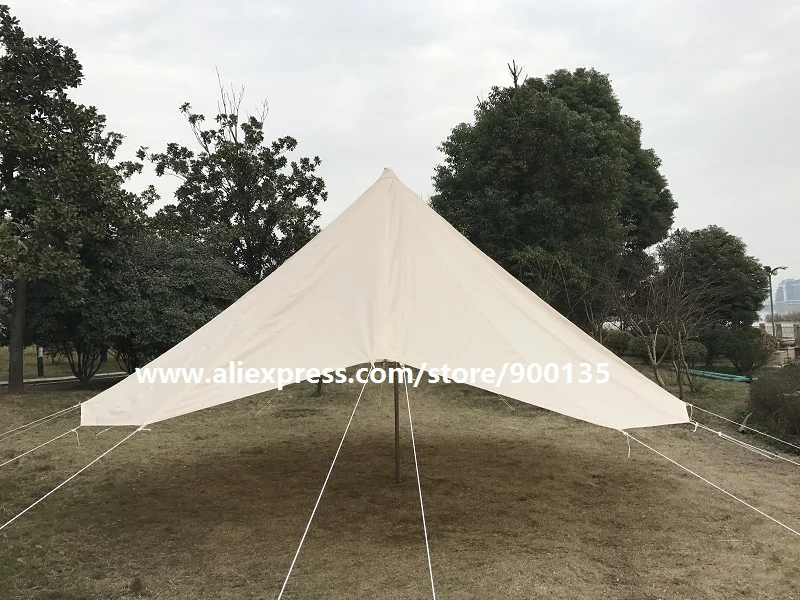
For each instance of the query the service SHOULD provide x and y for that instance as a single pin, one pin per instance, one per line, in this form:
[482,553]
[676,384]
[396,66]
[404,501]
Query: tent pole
[396,428]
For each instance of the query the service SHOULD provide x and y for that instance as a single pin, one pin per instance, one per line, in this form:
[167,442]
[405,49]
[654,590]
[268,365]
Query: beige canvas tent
[391,279]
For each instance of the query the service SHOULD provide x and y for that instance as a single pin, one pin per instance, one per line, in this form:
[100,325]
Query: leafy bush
[638,346]
[748,348]
[775,398]
[695,354]
[713,338]
[617,340]
[76,332]
[170,286]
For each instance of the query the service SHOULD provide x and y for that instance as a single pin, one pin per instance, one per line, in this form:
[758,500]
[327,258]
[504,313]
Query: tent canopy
[391,279]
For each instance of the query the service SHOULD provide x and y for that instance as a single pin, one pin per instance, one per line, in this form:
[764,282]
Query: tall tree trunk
[678,376]
[685,366]
[652,358]
[39,361]
[16,331]
[657,374]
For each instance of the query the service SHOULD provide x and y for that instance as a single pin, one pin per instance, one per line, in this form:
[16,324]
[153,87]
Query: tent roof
[391,279]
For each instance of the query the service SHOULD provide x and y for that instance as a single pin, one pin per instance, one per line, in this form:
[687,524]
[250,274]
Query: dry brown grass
[520,503]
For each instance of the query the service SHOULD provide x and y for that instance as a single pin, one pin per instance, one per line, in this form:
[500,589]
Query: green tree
[155,292]
[748,348]
[713,259]
[167,288]
[552,183]
[617,340]
[240,194]
[56,180]
[78,331]
[13,245]
[647,206]
[695,353]
[712,335]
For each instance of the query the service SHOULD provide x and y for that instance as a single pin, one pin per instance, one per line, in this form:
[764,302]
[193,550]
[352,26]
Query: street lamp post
[770,272]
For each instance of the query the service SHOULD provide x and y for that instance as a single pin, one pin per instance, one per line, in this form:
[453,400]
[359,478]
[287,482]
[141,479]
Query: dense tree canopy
[147,300]
[702,285]
[167,288]
[717,261]
[552,182]
[647,207]
[239,193]
[73,240]
[56,180]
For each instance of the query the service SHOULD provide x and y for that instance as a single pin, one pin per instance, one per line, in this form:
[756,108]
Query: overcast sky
[371,84]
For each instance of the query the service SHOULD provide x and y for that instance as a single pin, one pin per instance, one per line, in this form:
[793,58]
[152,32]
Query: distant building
[787,296]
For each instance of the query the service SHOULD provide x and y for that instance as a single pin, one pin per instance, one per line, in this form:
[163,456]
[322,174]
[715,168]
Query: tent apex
[387,174]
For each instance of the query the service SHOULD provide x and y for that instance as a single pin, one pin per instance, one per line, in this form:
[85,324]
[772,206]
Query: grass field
[520,503]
